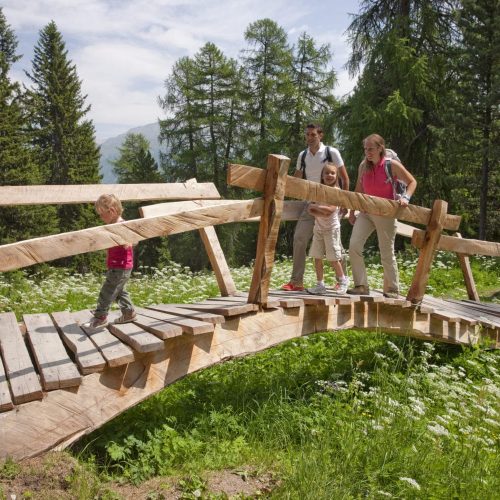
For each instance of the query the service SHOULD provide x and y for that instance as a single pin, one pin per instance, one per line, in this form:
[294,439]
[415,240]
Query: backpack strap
[388,170]
[328,154]
[303,163]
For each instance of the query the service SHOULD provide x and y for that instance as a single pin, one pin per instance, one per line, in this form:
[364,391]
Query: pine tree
[16,164]
[64,140]
[267,64]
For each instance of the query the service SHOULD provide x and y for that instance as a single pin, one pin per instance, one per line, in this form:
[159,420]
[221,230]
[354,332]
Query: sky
[124,50]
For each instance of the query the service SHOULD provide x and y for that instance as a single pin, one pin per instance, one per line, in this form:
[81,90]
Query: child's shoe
[342,285]
[127,316]
[96,322]
[317,290]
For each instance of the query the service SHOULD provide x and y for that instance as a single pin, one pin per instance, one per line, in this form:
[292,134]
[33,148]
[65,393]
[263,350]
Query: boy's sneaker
[317,290]
[342,285]
[291,287]
[127,316]
[96,322]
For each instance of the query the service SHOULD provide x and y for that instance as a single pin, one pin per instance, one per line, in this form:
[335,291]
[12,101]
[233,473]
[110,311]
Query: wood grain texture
[29,252]
[274,193]
[426,256]
[254,178]
[88,193]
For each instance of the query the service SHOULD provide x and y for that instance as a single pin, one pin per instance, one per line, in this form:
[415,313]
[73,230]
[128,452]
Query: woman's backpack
[398,186]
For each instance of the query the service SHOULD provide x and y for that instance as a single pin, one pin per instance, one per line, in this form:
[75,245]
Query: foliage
[62,138]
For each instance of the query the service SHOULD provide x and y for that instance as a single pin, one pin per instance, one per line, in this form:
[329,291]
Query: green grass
[333,415]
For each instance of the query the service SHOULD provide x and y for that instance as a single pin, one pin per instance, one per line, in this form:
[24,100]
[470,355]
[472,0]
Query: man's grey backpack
[398,186]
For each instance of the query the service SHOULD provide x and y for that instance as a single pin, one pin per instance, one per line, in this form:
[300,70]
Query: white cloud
[124,49]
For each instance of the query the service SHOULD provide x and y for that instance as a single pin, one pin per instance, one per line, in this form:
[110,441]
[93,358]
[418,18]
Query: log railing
[198,206]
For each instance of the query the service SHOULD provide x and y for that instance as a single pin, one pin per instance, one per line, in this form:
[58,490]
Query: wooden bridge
[59,381]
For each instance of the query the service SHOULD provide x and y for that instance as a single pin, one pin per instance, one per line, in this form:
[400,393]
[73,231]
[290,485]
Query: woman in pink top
[372,180]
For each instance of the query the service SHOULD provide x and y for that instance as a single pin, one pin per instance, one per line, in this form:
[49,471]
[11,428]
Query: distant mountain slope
[110,149]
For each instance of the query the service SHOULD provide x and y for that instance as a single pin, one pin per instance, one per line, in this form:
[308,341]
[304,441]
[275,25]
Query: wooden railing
[198,206]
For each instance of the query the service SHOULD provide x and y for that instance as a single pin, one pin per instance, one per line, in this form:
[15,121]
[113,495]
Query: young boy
[120,260]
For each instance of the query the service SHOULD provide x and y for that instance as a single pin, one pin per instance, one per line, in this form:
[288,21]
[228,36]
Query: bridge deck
[58,381]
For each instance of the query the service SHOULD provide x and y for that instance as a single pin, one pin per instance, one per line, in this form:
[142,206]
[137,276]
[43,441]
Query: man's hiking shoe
[317,290]
[96,322]
[291,287]
[126,317]
[359,290]
[391,295]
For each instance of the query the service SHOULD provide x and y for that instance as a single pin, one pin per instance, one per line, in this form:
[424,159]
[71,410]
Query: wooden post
[470,285]
[431,239]
[274,193]
[218,261]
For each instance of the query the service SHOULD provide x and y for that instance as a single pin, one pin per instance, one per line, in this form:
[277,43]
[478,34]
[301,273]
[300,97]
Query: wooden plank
[88,193]
[274,194]
[5,399]
[158,327]
[114,351]
[254,178]
[470,285]
[189,326]
[47,248]
[243,298]
[423,269]
[23,379]
[189,313]
[87,356]
[217,261]
[56,369]
[459,245]
[404,229]
[216,308]
[134,336]
[291,208]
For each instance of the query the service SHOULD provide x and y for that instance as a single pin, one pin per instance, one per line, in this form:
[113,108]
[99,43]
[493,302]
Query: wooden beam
[470,284]
[217,261]
[47,248]
[459,245]
[432,235]
[88,193]
[253,178]
[274,193]
[291,208]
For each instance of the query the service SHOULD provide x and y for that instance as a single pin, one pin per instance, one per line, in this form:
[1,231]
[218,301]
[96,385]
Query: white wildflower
[411,482]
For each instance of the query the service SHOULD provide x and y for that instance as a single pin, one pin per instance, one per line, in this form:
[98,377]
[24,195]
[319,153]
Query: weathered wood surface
[274,194]
[65,415]
[88,193]
[87,356]
[113,351]
[137,338]
[217,261]
[189,326]
[426,256]
[24,383]
[470,284]
[254,178]
[37,250]
[5,399]
[56,369]
[189,313]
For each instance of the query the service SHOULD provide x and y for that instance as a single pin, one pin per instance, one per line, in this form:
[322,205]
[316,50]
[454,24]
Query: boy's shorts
[326,244]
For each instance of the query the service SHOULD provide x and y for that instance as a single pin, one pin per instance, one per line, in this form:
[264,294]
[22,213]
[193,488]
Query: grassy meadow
[334,415]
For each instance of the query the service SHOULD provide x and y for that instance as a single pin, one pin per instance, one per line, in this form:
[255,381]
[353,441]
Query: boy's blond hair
[108,201]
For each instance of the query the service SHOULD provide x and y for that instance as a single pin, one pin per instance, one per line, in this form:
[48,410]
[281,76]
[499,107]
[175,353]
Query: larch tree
[62,136]
[267,63]
[401,50]
[16,163]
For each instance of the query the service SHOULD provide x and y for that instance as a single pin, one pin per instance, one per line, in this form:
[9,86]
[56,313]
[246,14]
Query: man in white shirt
[317,154]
